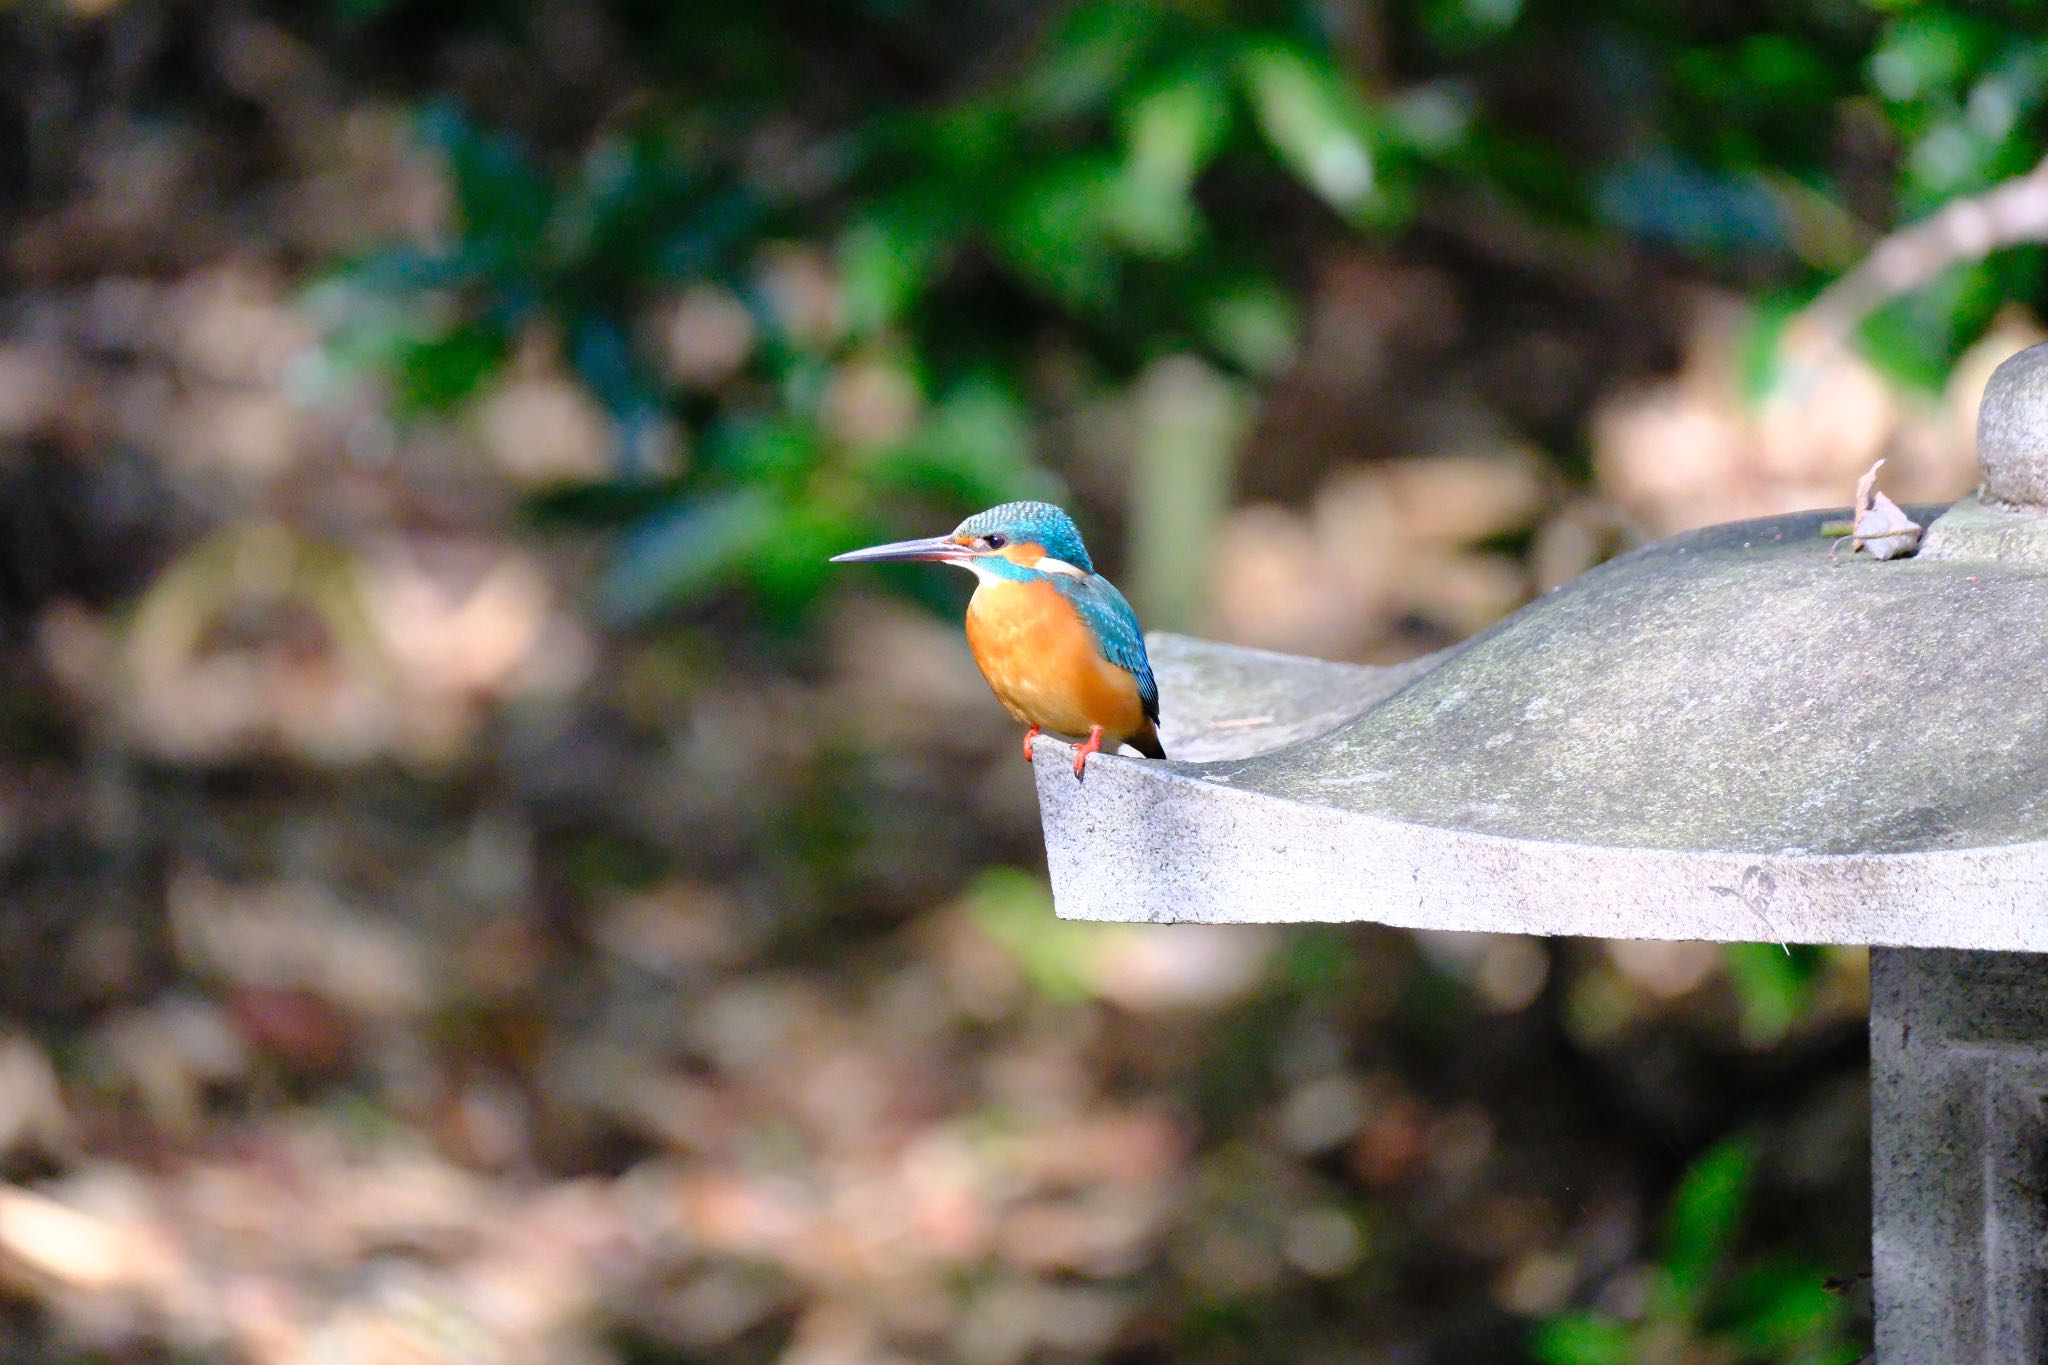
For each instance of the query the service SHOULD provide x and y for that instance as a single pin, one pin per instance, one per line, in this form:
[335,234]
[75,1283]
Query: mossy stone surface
[1731,689]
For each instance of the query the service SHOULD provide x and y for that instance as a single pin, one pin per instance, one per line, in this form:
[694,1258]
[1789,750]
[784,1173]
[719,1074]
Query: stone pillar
[1959,1139]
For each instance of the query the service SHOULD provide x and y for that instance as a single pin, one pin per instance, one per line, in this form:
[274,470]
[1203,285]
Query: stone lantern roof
[1731,734]
[1736,733]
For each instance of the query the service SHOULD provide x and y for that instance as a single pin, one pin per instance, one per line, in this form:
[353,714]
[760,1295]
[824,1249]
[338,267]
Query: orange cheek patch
[1024,555]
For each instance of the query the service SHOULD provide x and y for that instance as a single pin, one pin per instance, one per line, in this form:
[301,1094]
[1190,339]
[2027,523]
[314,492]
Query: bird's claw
[1029,735]
[1093,745]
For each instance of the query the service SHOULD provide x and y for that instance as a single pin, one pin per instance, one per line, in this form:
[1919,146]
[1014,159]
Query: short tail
[1146,741]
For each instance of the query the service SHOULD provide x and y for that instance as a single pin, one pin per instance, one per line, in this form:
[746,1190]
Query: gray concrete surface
[1959,1157]
[1732,690]
[1724,736]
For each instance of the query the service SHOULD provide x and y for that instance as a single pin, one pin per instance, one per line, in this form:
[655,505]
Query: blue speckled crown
[1035,522]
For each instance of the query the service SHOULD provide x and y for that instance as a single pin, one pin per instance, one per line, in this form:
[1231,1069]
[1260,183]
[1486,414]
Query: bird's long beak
[933,547]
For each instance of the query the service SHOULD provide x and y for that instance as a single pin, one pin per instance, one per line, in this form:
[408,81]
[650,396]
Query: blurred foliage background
[480,889]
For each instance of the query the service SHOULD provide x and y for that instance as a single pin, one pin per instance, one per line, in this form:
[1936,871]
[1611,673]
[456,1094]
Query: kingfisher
[1058,643]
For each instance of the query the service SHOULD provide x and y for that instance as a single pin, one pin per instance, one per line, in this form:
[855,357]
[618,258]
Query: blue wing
[1116,630]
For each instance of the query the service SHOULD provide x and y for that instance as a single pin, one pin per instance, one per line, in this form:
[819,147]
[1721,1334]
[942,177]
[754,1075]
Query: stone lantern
[1728,735]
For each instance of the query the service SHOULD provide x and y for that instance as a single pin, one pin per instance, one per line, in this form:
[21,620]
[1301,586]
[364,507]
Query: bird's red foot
[1094,745]
[1029,735]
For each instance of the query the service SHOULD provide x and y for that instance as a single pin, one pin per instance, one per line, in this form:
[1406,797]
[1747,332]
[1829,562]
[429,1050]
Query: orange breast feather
[1043,664]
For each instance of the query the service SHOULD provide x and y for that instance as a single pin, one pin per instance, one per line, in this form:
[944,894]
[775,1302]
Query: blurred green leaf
[779,451]
[1777,1305]
[499,195]
[1434,120]
[1772,986]
[791,567]
[1705,1215]
[1916,338]
[1094,50]
[1585,1339]
[970,141]
[1784,66]
[1253,323]
[888,261]
[973,450]
[1151,219]
[1761,362]
[1315,962]
[1455,26]
[437,374]
[1170,133]
[1319,127]
[1172,130]
[1531,175]
[1952,157]
[1927,52]
[1056,230]
[1015,910]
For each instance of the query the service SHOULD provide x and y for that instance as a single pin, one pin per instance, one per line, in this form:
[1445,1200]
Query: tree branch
[2011,213]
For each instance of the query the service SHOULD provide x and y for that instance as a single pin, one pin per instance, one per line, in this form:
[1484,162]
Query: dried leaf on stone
[1882,526]
[1886,531]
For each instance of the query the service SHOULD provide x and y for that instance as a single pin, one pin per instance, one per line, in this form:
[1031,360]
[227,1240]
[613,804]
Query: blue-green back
[1115,627]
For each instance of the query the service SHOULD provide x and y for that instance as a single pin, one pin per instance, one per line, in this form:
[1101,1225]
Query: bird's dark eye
[996,541]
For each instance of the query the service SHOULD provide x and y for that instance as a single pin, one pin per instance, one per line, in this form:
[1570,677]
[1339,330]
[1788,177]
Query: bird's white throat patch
[981,570]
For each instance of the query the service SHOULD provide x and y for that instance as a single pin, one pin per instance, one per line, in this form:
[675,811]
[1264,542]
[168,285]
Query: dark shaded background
[478,888]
